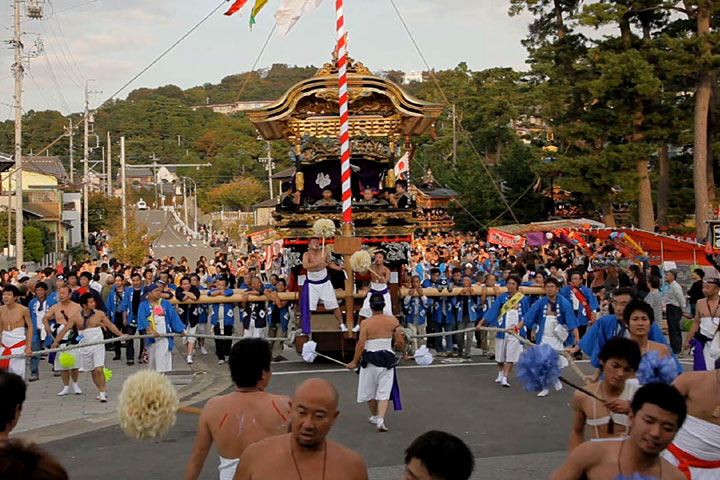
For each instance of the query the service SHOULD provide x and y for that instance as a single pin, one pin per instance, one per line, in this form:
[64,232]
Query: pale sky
[110,41]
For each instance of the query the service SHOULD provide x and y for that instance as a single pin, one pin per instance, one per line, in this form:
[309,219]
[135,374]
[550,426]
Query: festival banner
[505,239]
[290,11]
[235,7]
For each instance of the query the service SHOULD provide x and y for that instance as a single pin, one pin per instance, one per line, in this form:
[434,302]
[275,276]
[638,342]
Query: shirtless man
[658,411]
[696,447]
[317,285]
[620,358]
[60,313]
[705,326]
[16,331]
[89,323]
[374,352]
[236,420]
[379,284]
[305,453]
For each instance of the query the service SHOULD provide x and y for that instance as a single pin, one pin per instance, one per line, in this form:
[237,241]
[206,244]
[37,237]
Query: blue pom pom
[538,368]
[636,476]
[655,369]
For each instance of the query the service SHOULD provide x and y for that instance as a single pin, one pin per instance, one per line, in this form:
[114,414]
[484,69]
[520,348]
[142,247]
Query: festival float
[345,140]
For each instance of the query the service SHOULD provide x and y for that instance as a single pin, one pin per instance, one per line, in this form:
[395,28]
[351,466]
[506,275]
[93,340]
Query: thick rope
[289,339]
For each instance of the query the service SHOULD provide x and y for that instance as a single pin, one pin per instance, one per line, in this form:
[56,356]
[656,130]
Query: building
[234,107]
[413,76]
[43,179]
[263,211]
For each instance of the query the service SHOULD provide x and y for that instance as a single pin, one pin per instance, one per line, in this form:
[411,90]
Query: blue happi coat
[126,305]
[609,326]
[229,307]
[581,315]
[491,316]
[475,312]
[565,316]
[172,320]
[33,316]
[415,309]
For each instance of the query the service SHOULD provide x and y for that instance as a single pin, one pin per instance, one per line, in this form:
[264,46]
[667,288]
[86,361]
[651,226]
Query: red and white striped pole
[344,121]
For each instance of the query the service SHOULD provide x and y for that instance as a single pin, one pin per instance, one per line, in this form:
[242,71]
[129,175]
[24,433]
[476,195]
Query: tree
[239,194]
[102,210]
[33,239]
[129,245]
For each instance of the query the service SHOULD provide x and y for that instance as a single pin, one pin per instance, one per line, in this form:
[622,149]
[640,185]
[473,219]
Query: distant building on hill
[234,107]
[413,76]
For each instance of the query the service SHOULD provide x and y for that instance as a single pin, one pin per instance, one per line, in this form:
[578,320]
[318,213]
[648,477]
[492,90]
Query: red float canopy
[658,247]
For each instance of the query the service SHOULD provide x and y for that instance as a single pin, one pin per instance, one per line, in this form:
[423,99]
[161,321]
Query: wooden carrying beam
[294,296]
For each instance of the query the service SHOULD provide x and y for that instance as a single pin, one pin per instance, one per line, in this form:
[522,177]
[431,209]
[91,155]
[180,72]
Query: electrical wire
[28,159]
[77,71]
[176,43]
[254,66]
[449,104]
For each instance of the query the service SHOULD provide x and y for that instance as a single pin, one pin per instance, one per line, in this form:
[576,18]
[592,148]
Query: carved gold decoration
[299,181]
[390,178]
[330,127]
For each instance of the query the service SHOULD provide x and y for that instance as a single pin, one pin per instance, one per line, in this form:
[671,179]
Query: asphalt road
[171,242]
[512,433]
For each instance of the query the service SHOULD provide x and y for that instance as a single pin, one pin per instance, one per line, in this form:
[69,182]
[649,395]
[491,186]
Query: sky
[108,42]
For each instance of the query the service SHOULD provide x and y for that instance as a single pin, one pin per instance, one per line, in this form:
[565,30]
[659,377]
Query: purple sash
[305,325]
[395,393]
[698,355]
[381,292]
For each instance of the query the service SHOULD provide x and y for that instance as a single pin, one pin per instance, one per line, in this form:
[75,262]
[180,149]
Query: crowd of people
[585,301]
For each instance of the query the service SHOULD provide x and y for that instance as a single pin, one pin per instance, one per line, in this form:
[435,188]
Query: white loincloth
[66,336]
[227,467]
[11,338]
[701,439]
[375,383]
[550,336]
[323,292]
[708,328]
[253,332]
[159,354]
[93,356]
[366,311]
[508,349]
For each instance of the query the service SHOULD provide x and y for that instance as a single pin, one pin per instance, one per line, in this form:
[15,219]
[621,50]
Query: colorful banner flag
[402,165]
[259,4]
[505,239]
[236,6]
[290,11]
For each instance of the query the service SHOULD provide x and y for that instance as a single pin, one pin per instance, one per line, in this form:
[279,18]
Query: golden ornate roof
[377,108]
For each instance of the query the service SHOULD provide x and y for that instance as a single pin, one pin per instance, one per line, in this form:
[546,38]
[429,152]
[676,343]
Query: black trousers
[222,347]
[674,315]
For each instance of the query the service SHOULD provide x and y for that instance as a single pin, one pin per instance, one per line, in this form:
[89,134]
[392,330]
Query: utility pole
[454,155]
[108,178]
[72,159]
[185,201]
[122,186]
[268,161]
[86,180]
[18,71]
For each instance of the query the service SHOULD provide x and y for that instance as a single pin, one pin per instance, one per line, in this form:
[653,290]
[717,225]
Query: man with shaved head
[305,453]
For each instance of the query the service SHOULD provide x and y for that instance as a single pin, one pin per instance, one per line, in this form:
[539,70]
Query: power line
[448,104]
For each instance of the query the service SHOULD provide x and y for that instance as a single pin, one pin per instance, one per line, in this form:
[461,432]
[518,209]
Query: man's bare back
[239,419]
[334,461]
[700,390]
[380,326]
